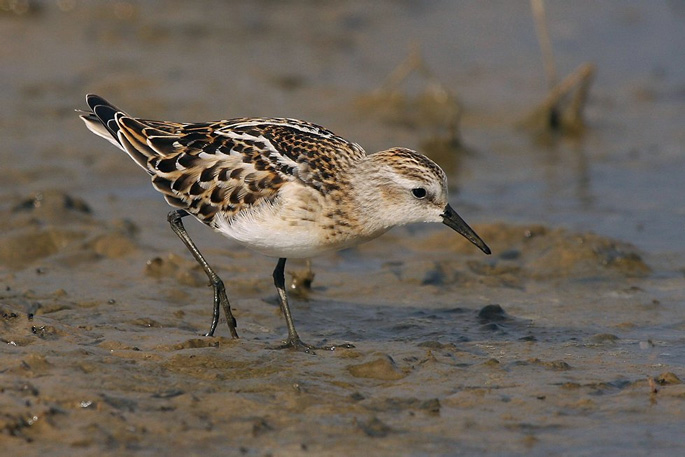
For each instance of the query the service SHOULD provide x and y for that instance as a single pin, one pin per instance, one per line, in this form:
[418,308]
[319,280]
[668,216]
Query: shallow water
[566,341]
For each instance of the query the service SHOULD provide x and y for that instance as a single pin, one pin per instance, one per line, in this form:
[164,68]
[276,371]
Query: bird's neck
[367,185]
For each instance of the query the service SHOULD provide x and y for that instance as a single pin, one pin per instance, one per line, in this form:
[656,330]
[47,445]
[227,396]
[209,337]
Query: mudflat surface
[568,340]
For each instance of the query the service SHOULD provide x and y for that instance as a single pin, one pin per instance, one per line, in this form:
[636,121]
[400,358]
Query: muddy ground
[568,340]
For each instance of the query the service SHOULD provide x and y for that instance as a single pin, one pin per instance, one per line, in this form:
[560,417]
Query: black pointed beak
[451,219]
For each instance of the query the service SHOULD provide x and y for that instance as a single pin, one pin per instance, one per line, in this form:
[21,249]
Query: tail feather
[101,120]
[107,116]
[96,126]
[131,135]
[120,129]
[134,152]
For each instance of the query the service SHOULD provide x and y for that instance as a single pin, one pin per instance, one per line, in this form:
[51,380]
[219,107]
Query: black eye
[419,192]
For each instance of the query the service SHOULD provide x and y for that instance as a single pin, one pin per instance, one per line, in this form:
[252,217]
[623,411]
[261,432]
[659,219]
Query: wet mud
[567,340]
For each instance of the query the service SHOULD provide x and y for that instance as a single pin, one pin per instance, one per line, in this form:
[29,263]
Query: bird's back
[225,167]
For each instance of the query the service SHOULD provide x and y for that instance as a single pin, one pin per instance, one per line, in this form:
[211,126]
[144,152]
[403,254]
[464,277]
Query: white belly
[276,231]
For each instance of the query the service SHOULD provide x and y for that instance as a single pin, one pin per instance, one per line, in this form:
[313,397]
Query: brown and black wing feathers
[226,166]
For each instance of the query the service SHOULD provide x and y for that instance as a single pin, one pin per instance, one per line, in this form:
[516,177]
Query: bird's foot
[296,344]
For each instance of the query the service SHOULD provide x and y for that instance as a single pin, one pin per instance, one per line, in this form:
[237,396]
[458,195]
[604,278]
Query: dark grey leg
[220,298]
[293,341]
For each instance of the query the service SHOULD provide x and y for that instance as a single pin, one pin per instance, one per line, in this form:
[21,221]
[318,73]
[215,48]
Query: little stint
[282,187]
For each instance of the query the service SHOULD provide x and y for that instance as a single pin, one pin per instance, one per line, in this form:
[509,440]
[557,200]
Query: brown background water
[101,307]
